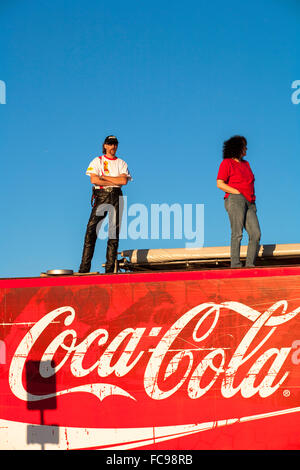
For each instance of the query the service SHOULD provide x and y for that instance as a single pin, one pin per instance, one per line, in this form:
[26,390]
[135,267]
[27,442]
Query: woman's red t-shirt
[238,175]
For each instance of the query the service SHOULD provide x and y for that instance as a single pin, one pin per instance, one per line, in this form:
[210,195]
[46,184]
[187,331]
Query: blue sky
[172,80]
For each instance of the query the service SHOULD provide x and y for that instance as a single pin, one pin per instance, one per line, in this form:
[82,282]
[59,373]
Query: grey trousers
[242,214]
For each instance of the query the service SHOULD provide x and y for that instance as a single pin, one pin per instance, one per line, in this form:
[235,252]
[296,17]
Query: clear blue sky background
[172,80]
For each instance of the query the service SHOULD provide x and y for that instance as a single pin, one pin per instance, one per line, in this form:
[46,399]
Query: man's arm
[119,180]
[109,180]
[225,187]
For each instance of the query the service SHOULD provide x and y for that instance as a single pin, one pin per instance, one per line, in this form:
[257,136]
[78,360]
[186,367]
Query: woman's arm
[225,187]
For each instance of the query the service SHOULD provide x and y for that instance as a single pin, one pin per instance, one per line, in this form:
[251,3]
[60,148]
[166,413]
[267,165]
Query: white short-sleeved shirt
[104,166]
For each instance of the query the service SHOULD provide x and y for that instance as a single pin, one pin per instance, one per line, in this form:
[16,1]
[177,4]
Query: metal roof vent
[59,272]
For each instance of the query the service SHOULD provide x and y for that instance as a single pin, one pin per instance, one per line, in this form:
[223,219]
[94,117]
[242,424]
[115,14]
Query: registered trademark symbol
[286,393]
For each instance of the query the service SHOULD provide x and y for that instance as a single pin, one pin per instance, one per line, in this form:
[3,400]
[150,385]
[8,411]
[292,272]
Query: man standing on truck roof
[108,174]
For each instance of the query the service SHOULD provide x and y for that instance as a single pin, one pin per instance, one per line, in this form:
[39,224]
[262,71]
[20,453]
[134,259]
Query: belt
[97,192]
[108,189]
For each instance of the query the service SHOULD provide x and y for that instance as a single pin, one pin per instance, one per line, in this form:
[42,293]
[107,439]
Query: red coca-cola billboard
[180,360]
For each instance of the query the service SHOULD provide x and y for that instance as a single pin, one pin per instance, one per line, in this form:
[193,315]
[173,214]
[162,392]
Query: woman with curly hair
[236,179]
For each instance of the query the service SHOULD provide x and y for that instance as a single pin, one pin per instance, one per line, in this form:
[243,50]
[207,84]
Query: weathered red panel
[199,360]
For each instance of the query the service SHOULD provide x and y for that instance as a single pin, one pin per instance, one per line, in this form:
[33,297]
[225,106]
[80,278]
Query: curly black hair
[233,147]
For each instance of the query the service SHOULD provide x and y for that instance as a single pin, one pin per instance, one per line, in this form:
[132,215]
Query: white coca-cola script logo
[105,365]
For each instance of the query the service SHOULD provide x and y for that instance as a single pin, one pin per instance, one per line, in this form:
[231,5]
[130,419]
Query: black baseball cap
[111,139]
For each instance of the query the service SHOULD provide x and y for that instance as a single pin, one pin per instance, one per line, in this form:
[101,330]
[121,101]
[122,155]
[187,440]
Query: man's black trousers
[106,203]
